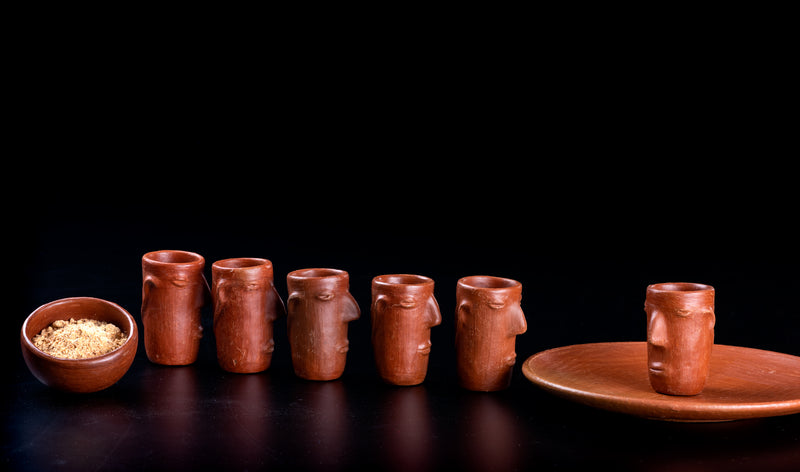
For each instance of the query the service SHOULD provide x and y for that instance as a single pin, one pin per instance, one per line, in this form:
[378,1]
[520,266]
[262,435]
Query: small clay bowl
[79,375]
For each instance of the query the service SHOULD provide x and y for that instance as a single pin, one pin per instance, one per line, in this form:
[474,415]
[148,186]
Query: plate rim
[661,409]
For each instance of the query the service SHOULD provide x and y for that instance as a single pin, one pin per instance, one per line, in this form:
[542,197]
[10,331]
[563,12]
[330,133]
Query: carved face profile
[680,336]
[488,319]
[318,310]
[403,312]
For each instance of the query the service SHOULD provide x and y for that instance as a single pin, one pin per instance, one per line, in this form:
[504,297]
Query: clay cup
[403,312]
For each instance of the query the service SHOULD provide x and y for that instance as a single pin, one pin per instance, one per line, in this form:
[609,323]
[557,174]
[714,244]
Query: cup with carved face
[174,290]
[680,336]
[403,312]
[246,304]
[319,308]
[488,319]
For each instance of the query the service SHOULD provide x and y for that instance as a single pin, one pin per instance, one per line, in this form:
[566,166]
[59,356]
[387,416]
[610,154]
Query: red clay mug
[403,312]
[246,304]
[174,290]
[488,319]
[680,336]
[318,310]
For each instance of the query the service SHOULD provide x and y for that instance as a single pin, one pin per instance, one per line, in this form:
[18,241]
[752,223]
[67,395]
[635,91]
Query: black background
[585,169]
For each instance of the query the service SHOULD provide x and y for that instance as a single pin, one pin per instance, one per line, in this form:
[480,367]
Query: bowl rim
[133,330]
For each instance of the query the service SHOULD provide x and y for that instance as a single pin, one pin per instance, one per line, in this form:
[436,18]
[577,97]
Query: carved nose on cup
[657,330]
[519,325]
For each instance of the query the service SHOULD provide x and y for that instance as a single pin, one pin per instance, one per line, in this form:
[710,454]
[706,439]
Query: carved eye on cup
[325,296]
[408,303]
[180,282]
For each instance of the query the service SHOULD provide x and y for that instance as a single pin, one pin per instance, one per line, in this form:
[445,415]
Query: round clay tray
[742,382]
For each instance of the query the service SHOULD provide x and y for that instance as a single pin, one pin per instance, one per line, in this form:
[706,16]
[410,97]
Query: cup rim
[488,282]
[402,279]
[242,263]
[679,287]
[131,329]
[316,274]
[192,258]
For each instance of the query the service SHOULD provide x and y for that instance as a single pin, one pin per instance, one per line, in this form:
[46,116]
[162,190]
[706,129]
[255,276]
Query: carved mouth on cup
[424,348]
[656,367]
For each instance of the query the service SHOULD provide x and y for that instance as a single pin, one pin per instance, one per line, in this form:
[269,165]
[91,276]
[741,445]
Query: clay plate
[742,382]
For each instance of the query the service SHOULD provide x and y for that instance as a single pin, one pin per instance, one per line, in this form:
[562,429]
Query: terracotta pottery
[403,312]
[79,375]
[488,319]
[318,310]
[246,304]
[174,290]
[680,335]
[742,382]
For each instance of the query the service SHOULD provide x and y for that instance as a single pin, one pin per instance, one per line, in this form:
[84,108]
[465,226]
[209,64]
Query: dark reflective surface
[176,418]
[409,428]
[491,436]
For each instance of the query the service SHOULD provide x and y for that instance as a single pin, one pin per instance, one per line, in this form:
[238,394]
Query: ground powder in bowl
[79,339]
